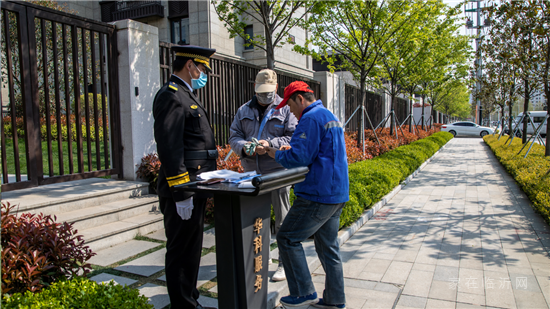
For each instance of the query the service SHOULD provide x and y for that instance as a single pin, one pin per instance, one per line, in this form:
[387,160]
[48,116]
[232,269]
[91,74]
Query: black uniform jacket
[181,125]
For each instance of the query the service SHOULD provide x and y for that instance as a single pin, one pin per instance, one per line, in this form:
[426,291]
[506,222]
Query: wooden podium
[242,219]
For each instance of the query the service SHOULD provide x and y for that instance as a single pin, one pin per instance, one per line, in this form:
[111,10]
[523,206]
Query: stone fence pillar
[332,93]
[139,80]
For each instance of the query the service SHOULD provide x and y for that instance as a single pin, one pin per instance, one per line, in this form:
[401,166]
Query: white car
[537,117]
[466,128]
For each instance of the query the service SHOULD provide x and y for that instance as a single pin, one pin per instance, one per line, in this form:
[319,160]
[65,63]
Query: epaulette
[173,86]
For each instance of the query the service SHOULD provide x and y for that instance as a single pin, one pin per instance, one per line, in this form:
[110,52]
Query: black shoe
[199,306]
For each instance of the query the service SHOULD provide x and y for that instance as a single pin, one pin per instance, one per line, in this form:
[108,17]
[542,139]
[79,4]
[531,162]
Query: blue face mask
[198,83]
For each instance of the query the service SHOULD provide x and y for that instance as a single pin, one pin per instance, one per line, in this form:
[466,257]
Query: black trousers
[183,252]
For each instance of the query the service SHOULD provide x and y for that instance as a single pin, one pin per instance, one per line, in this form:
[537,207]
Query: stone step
[111,212]
[110,234]
[73,195]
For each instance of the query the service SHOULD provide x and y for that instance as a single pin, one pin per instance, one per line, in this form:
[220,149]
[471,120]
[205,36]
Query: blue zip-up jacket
[318,143]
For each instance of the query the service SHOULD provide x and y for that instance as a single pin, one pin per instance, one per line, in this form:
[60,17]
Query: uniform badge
[173,86]
[303,135]
[194,106]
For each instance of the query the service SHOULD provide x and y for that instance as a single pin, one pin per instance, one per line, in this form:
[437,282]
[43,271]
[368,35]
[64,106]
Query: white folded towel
[225,174]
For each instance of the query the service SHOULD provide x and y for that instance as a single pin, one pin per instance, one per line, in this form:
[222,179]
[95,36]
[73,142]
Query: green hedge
[531,173]
[371,179]
[78,293]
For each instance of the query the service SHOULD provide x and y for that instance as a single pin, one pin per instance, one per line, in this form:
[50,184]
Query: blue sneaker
[322,304]
[291,301]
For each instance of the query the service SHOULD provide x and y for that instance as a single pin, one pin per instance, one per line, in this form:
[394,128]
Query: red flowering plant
[148,169]
[387,142]
[233,163]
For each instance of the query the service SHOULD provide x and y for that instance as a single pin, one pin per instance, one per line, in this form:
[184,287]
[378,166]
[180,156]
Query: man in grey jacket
[272,127]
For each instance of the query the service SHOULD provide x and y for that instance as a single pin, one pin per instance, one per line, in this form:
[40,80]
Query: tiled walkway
[460,235]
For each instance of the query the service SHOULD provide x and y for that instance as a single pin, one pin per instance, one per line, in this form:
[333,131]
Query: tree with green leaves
[441,89]
[457,100]
[350,36]
[276,16]
[429,42]
[541,35]
[514,22]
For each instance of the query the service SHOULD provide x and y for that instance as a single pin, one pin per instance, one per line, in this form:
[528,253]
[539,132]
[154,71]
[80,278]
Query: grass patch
[10,154]
[204,289]
[205,251]
[145,238]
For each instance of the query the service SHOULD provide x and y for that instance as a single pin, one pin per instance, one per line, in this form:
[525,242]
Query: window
[180,31]
[292,38]
[250,31]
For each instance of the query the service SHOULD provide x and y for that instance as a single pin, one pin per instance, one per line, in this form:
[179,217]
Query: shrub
[532,173]
[149,169]
[37,251]
[233,163]
[370,180]
[20,125]
[79,293]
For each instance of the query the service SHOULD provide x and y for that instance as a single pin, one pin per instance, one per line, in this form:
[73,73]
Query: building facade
[196,23]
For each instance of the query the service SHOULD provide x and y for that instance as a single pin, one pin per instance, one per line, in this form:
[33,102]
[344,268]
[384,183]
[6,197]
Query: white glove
[185,208]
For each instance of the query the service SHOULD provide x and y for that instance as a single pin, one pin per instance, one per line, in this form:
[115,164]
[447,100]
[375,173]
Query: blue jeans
[304,219]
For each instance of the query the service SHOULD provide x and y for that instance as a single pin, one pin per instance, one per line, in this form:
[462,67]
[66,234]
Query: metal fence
[373,105]
[230,85]
[62,120]
[400,109]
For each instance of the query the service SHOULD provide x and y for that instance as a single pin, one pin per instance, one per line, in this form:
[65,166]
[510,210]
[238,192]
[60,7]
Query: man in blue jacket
[318,143]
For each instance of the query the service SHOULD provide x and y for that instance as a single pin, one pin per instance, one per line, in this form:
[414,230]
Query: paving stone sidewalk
[461,234]
[140,264]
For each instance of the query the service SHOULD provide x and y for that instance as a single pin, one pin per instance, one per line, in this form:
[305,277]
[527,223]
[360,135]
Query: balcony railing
[119,10]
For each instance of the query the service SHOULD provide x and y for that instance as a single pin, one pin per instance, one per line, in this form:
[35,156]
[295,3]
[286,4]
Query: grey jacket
[277,131]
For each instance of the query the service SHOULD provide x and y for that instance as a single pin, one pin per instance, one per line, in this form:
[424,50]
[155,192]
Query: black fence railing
[230,85]
[63,113]
[373,105]
[400,109]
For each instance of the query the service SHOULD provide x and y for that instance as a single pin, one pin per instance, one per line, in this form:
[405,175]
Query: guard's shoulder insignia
[194,106]
[303,135]
[173,86]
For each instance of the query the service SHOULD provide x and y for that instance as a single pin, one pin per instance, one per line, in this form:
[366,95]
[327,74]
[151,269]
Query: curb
[346,233]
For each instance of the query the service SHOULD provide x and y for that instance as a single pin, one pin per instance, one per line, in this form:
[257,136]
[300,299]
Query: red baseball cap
[290,89]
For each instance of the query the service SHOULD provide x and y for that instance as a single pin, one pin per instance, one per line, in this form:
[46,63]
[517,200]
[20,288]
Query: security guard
[186,147]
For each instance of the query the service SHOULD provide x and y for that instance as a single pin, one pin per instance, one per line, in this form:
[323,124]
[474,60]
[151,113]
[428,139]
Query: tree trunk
[434,116]
[547,152]
[270,57]
[361,129]
[510,106]
[411,116]
[422,117]
[547,93]
[501,122]
[525,110]
[392,113]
